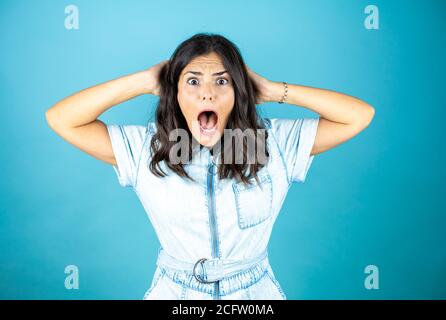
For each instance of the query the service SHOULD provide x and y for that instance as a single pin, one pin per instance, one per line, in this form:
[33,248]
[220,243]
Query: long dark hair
[243,116]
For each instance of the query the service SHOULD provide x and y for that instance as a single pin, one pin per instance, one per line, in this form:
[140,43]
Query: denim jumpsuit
[214,233]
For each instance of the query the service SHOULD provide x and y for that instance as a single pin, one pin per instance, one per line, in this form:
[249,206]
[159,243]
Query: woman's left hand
[265,86]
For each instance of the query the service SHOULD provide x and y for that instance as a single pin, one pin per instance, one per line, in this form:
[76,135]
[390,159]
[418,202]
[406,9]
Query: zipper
[214,235]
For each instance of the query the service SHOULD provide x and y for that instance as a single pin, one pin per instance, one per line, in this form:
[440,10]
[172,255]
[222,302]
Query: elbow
[367,116]
[370,115]
[364,118]
[50,118]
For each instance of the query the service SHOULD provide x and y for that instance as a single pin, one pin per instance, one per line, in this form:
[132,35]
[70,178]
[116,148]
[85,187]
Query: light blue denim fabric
[223,221]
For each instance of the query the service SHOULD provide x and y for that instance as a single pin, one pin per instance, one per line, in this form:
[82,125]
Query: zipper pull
[211,168]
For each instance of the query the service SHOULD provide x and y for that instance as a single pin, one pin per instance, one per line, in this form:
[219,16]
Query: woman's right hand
[153,86]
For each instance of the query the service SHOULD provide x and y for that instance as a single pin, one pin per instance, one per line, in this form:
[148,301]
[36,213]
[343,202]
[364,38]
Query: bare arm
[342,116]
[74,118]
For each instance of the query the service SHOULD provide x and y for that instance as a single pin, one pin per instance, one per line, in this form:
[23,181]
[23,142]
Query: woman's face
[205,86]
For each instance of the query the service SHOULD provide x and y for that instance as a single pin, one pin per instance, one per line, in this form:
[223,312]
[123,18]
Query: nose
[207,93]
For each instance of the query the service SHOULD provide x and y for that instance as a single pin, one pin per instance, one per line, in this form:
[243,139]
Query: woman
[213,208]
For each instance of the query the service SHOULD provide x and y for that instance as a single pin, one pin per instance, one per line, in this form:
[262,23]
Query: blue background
[377,199]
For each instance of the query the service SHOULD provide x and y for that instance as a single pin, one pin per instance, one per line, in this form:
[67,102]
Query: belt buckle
[202,260]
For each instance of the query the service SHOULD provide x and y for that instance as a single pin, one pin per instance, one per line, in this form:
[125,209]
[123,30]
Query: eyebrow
[200,74]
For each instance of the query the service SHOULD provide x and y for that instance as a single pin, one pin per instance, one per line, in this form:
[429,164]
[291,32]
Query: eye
[188,80]
[221,81]
[224,79]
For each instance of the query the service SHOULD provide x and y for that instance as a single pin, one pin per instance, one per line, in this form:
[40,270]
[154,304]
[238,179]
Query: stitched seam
[243,223]
[127,149]
[281,157]
[276,283]
[155,282]
[248,285]
[183,292]
[307,143]
[292,178]
[140,156]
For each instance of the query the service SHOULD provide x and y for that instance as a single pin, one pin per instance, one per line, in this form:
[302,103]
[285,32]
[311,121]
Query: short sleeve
[127,143]
[295,139]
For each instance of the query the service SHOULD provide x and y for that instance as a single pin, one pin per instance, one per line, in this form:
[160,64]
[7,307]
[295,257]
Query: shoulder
[285,126]
[279,123]
[130,139]
[132,132]
[278,127]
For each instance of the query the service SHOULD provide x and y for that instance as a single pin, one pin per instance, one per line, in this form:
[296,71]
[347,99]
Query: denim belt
[211,270]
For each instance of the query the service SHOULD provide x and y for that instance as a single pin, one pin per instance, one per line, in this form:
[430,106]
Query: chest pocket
[253,202]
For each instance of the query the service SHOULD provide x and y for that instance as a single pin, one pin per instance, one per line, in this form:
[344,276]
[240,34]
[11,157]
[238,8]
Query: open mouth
[208,122]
